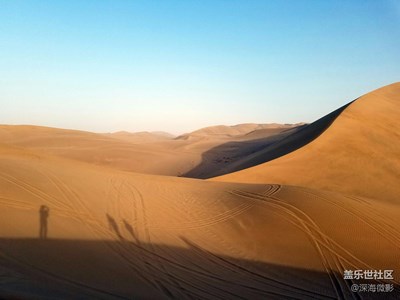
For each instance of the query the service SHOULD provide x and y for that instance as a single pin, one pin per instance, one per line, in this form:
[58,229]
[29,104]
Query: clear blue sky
[179,65]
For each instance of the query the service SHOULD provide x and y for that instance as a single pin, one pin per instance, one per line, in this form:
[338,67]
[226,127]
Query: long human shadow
[131,231]
[234,156]
[113,226]
[110,269]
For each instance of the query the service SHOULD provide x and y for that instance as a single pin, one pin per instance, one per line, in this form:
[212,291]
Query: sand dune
[358,154]
[112,234]
[78,220]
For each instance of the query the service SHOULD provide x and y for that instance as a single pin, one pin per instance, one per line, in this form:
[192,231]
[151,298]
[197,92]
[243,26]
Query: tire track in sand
[308,226]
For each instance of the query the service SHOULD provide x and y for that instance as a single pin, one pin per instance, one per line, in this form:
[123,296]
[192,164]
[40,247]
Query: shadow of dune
[234,156]
[109,269]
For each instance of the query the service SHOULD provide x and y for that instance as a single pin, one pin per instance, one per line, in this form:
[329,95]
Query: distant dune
[232,131]
[141,137]
[113,151]
[357,154]
[79,219]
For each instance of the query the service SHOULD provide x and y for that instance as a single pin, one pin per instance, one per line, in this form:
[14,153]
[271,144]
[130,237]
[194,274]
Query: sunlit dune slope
[113,234]
[358,154]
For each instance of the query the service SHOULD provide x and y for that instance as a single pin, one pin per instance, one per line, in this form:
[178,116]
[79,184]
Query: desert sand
[80,219]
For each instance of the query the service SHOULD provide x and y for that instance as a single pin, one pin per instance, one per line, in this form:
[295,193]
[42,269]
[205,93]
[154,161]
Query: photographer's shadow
[43,215]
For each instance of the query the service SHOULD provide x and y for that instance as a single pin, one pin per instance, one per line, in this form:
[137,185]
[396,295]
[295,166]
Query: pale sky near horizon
[178,66]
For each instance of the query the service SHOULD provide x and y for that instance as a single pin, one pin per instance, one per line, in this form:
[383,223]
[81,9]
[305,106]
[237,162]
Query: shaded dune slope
[255,152]
[229,153]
